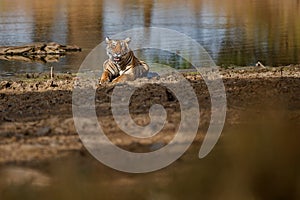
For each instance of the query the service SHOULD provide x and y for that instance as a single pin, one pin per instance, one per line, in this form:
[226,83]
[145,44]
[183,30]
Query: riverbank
[36,121]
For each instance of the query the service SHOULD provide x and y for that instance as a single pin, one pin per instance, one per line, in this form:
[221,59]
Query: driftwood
[37,52]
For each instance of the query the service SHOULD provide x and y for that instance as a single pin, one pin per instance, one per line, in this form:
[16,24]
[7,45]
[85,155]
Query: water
[233,32]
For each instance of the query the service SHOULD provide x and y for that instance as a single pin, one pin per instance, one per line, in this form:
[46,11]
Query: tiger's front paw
[115,81]
[103,81]
[123,78]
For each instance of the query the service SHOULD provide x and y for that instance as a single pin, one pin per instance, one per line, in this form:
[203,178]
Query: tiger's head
[117,49]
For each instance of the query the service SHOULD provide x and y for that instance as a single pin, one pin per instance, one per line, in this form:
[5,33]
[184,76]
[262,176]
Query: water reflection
[233,32]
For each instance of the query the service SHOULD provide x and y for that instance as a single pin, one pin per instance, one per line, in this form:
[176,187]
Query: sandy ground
[36,120]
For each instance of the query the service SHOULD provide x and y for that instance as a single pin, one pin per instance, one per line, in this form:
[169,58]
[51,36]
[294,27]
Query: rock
[43,131]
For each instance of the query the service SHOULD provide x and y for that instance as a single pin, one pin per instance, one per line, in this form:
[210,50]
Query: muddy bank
[36,120]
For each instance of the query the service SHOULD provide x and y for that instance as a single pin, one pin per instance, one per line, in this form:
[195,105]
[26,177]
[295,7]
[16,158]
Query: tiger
[122,65]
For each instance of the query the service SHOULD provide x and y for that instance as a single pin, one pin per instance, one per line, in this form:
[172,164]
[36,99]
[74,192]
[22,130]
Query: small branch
[259,64]
[51,73]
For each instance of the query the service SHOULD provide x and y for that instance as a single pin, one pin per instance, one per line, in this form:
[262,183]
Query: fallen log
[37,52]
[38,49]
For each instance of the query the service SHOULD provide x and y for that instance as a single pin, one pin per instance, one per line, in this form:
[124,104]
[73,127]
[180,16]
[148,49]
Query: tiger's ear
[107,40]
[127,40]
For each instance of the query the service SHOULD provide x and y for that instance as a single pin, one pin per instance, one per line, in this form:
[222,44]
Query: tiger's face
[117,49]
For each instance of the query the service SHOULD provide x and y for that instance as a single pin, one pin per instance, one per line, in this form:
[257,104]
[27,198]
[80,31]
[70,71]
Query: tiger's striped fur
[122,64]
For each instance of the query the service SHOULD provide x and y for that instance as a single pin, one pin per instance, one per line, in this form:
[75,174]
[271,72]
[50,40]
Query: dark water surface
[234,32]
